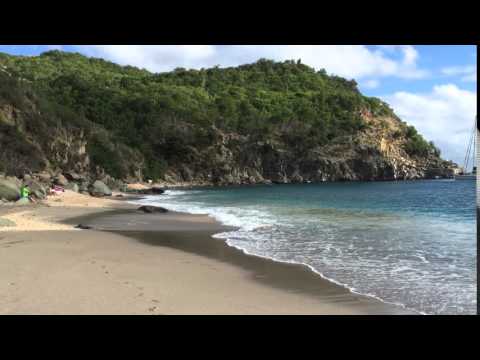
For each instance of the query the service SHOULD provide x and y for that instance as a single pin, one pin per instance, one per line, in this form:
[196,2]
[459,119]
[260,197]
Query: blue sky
[432,87]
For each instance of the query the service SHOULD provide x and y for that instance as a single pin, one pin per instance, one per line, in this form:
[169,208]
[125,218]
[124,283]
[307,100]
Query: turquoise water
[411,243]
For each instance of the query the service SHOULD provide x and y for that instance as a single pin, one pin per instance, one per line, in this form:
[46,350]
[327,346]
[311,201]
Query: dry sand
[153,264]
[34,217]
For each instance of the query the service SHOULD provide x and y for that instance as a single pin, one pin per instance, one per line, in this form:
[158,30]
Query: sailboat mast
[471,141]
[474,137]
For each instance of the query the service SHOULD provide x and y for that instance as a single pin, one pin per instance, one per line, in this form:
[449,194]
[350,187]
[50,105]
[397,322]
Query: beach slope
[134,263]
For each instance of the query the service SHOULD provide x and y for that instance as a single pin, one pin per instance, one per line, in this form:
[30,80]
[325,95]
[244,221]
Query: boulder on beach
[44,177]
[152,209]
[72,186]
[60,180]
[73,176]
[83,227]
[9,190]
[37,189]
[14,180]
[98,188]
[83,187]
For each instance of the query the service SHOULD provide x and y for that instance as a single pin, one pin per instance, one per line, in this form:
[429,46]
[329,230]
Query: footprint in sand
[140,295]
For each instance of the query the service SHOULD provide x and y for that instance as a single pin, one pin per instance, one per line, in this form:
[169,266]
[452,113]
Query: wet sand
[136,263]
[192,234]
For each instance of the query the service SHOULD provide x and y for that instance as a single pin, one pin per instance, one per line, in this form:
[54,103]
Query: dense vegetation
[163,116]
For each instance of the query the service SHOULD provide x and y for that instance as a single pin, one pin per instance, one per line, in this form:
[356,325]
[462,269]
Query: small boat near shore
[471,176]
[470,153]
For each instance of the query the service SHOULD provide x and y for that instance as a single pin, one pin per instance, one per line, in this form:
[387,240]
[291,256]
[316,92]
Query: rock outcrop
[9,190]
[99,189]
[152,209]
[37,189]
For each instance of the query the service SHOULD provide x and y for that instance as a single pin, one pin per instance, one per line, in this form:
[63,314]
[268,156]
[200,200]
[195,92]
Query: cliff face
[374,154]
[265,122]
[35,145]
[231,158]
[26,149]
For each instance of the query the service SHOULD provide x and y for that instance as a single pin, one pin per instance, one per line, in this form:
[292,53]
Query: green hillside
[137,123]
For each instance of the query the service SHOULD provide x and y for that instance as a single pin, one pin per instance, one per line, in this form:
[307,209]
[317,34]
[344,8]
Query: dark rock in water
[151,191]
[157,190]
[9,190]
[83,227]
[152,209]
[60,180]
[119,195]
[98,188]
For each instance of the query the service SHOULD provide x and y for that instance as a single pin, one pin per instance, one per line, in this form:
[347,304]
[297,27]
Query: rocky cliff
[64,113]
[374,154]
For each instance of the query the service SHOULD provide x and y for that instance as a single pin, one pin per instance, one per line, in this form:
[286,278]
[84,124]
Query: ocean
[409,243]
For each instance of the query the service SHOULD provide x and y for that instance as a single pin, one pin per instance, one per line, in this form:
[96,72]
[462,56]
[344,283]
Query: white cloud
[445,115]
[370,84]
[54,47]
[470,77]
[351,61]
[153,57]
[467,73]
[411,55]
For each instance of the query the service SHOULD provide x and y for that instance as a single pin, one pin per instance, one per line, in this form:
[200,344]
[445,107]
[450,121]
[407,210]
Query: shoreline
[173,256]
[296,277]
[184,186]
[224,229]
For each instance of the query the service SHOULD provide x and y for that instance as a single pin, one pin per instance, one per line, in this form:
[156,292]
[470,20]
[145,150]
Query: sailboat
[469,154]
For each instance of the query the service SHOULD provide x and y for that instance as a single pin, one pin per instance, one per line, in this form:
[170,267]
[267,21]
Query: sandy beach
[135,263]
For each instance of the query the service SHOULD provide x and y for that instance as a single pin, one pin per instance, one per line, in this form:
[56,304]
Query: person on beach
[25,193]
[55,189]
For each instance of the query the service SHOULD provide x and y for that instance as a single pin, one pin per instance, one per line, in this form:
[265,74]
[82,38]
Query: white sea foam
[246,221]
[365,264]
